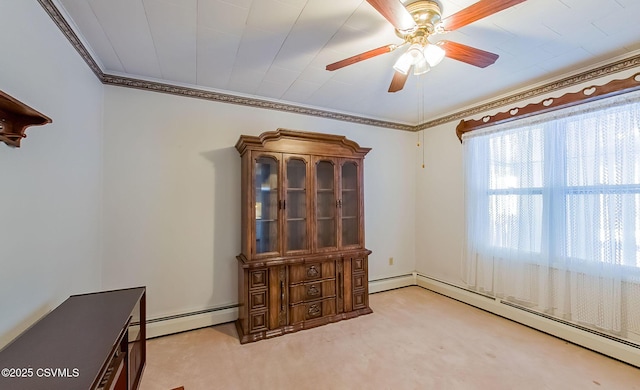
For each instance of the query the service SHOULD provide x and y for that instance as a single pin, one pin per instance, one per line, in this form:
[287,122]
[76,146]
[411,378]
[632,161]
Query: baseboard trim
[164,326]
[619,350]
[606,346]
[385,284]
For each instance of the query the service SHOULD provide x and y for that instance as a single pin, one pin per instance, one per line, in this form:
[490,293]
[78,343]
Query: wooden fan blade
[395,13]
[468,54]
[361,57]
[477,11]
[397,83]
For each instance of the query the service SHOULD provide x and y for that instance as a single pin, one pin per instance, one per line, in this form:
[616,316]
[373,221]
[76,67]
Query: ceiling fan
[415,23]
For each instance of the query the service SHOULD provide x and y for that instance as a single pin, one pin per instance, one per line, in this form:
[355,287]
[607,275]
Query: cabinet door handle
[281,295]
[284,204]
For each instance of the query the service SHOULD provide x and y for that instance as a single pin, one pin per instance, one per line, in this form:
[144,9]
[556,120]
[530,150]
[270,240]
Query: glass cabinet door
[266,206]
[326,221]
[350,207]
[296,235]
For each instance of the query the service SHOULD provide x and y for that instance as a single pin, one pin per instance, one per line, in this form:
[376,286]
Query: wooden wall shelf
[15,117]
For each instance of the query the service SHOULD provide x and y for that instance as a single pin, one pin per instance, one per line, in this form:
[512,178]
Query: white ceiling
[278,49]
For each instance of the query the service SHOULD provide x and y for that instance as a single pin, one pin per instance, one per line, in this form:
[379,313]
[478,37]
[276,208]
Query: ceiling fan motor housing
[427,15]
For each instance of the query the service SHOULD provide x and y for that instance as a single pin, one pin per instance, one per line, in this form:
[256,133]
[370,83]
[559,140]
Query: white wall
[172,195]
[50,191]
[440,206]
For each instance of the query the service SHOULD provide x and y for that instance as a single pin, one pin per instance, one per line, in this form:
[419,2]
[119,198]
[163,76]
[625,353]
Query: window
[515,183]
[553,213]
[567,188]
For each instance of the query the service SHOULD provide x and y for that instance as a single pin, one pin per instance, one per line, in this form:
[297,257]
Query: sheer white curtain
[553,214]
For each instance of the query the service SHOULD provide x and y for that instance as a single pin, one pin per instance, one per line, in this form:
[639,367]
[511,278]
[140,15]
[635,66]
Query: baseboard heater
[188,314]
[229,312]
[455,286]
[182,322]
[572,324]
[493,304]
[166,325]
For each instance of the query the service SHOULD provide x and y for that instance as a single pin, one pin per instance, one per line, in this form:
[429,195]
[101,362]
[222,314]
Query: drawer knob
[314,310]
[313,291]
[312,271]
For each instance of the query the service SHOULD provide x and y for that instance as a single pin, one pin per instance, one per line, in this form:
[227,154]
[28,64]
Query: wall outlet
[390,260]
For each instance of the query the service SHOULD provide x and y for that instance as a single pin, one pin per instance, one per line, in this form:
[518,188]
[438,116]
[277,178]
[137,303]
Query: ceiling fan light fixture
[403,64]
[421,67]
[433,54]
[412,56]
[415,51]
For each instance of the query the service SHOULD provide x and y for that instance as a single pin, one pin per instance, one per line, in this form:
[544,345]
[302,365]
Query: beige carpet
[415,339]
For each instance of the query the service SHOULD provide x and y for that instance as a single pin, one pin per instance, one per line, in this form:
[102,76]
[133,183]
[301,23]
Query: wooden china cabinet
[303,261]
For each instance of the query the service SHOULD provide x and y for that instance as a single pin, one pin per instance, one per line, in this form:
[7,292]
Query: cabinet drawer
[258,300]
[358,265]
[359,299]
[312,291]
[258,321]
[312,271]
[258,279]
[359,281]
[312,310]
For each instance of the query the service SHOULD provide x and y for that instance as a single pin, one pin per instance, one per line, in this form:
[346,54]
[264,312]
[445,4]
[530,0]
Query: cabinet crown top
[292,141]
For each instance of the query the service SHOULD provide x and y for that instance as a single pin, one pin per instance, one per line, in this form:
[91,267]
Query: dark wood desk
[91,341]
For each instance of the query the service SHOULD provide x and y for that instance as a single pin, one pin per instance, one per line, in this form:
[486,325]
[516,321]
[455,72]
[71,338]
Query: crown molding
[154,86]
[68,32]
[122,81]
[592,74]
[129,82]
